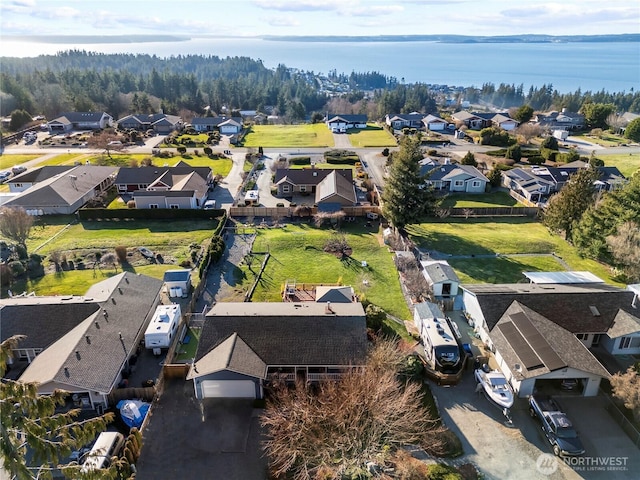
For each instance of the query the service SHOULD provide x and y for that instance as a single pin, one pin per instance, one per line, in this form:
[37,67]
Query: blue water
[614,67]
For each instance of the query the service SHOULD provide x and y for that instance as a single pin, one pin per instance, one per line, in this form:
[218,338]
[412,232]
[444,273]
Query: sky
[319,17]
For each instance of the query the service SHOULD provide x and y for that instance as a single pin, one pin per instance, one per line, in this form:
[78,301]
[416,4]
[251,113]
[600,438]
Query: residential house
[398,121]
[536,184]
[69,121]
[563,120]
[245,346]
[480,120]
[179,187]
[542,333]
[328,187]
[442,279]
[504,122]
[81,344]
[225,125]
[626,118]
[342,123]
[160,123]
[65,192]
[434,123]
[454,178]
[471,120]
[28,179]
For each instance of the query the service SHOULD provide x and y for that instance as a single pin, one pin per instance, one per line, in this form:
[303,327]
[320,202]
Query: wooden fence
[494,212]
[287,212]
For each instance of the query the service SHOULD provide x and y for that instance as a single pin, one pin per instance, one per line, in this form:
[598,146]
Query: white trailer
[163,327]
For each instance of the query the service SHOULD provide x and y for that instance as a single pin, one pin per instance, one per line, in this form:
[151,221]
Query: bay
[592,66]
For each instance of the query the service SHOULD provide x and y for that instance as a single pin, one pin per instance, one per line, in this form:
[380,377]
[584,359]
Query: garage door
[228,389]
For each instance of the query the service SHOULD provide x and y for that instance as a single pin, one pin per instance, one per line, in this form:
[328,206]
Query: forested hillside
[186,85]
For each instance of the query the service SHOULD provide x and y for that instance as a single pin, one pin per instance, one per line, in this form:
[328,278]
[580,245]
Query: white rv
[163,328]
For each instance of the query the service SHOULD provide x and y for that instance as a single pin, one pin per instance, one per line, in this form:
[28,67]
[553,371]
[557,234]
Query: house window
[476,183]
[153,205]
[303,188]
[458,183]
[174,206]
[625,342]
[18,185]
[596,340]
[285,188]
[582,336]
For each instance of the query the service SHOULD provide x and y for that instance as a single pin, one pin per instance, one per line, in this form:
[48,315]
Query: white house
[543,332]
[434,124]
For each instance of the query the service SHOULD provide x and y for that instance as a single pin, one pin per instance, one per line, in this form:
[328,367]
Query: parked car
[4,175]
[209,205]
[18,170]
[556,426]
[569,384]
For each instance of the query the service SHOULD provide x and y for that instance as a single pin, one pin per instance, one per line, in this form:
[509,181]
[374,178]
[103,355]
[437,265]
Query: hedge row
[99,214]
[343,160]
[300,161]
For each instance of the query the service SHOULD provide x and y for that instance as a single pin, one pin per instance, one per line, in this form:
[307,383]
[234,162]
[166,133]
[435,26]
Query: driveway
[497,450]
[220,438]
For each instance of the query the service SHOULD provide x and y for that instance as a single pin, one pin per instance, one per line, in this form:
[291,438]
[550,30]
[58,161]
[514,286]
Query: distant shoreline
[625,37]
[461,39]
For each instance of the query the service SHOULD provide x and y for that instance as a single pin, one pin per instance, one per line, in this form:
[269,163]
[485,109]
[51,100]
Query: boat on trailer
[495,386]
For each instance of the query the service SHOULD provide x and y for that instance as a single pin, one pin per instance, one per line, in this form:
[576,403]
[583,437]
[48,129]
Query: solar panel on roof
[538,343]
[524,351]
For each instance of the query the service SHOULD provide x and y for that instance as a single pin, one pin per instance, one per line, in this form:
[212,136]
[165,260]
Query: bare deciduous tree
[528,131]
[626,387]
[366,416]
[338,245]
[416,285]
[625,248]
[110,259]
[15,224]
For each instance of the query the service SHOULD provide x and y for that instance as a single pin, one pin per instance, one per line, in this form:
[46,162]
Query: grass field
[314,135]
[372,136]
[493,199]
[606,139]
[297,254]
[506,236]
[9,161]
[626,163]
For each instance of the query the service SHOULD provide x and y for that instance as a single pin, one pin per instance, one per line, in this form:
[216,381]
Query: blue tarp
[133,412]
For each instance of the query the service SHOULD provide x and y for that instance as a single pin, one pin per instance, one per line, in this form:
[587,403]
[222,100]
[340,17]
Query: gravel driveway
[498,451]
[221,277]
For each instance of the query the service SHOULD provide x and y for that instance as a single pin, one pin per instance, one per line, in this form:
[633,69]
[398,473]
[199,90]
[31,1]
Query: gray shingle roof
[95,364]
[290,334]
[43,324]
[148,175]
[572,352]
[39,174]
[440,272]
[566,305]
[309,176]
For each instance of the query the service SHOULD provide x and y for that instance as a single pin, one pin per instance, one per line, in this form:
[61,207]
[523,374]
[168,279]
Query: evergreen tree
[566,208]
[30,420]
[603,219]
[469,159]
[406,198]
[632,132]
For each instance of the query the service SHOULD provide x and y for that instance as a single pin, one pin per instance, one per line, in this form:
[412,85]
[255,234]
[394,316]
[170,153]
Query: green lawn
[492,199]
[77,282]
[308,135]
[502,269]
[372,136]
[607,139]
[504,235]
[76,241]
[11,160]
[626,163]
[297,254]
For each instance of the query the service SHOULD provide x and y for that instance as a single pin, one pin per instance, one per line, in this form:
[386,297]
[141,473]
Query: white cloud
[299,5]
[375,11]
[283,21]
